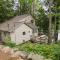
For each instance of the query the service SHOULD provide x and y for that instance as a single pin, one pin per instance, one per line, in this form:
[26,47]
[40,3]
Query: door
[0,37]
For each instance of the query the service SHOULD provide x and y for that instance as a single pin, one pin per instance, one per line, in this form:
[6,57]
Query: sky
[42,3]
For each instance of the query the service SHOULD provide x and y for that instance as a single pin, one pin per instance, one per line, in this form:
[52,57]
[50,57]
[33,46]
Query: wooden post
[14,26]
[15,34]
[8,27]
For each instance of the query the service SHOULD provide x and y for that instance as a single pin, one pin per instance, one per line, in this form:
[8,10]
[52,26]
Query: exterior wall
[18,37]
[36,33]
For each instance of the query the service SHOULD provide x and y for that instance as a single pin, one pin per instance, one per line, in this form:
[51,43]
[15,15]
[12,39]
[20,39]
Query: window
[32,21]
[24,33]
[23,41]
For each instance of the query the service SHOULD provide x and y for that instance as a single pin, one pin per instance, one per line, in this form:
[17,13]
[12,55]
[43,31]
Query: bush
[8,42]
[49,51]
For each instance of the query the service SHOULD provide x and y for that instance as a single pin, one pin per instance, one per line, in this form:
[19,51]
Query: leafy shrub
[8,42]
[49,51]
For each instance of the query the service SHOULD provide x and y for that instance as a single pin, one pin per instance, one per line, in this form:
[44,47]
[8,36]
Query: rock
[12,51]
[29,59]
[1,47]
[35,57]
[15,58]
[19,53]
[30,55]
[20,58]
[15,54]
[24,54]
[15,49]
[6,50]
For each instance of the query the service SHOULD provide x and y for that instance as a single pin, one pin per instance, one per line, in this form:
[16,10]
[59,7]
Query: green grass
[49,51]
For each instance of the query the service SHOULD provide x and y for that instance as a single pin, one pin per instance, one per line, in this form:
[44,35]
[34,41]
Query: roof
[30,25]
[9,25]
[34,27]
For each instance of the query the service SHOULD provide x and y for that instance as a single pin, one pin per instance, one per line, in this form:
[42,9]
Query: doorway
[0,37]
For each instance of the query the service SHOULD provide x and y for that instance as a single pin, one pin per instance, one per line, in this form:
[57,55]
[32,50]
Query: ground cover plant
[49,51]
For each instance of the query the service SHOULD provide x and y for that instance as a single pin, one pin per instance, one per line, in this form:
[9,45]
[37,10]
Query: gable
[23,27]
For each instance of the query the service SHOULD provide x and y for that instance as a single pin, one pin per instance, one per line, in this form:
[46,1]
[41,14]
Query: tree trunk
[55,31]
[56,27]
[50,25]
[50,32]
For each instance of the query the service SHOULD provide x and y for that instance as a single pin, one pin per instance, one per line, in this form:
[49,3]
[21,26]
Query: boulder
[15,49]
[12,51]
[20,58]
[35,57]
[1,47]
[19,53]
[16,58]
[6,50]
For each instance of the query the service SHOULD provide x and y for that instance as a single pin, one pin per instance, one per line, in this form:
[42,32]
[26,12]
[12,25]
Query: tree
[6,10]
[42,21]
[28,6]
[53,6]
[50,24]
[25,6]
[57,14]
[49,4]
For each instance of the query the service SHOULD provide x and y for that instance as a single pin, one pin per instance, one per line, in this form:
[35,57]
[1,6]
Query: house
[19,29]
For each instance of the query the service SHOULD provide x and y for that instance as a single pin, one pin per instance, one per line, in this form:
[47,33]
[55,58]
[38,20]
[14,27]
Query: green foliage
[42,21]
[25,6]
[8,42]
[6,10]
[49,51]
